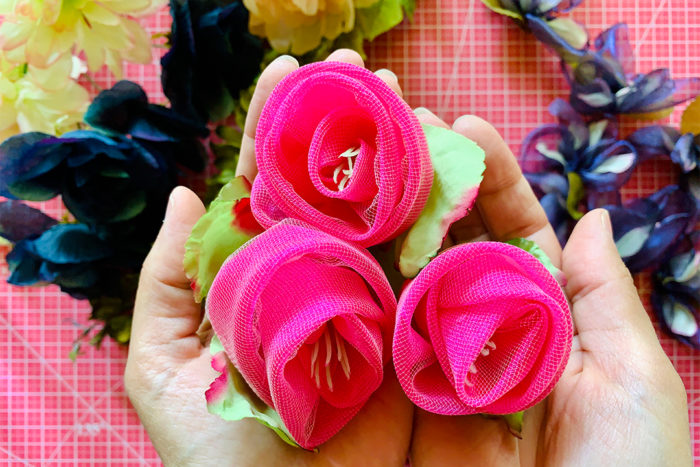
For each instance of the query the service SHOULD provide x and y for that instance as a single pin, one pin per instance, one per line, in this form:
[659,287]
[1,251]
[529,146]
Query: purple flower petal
[572,120]
[19,221]
[542,30]
[540,151]
[654,141]
[685,153]
[647,230]
[614,44]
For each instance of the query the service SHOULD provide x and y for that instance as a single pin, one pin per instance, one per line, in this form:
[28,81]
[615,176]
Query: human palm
[169,368]
[619,400]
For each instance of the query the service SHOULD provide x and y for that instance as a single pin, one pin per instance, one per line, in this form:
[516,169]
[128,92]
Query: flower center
[348,158]
[488,348]
[329,346]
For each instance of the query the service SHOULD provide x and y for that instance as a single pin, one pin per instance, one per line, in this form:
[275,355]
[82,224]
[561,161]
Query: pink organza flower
[337,148]
[307,320]
[484,328]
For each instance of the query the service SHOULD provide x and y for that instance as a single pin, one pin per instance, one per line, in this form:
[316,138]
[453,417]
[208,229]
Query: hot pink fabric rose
[484,328]
[337,148]
[307,320]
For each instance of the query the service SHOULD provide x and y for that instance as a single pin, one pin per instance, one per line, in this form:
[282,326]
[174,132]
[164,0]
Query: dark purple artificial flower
[574,166]
[542,17]
[604,81]
[675,296]
[648,230]
[682,149]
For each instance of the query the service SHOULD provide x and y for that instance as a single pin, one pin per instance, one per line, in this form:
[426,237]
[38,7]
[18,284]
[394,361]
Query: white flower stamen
[488,348]
[342,356]
[328,378]
[350,154]
[314,356]
[329,334]
[328,347]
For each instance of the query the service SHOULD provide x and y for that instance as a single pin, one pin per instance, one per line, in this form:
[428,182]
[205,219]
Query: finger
[165,310]
[270,77]
[507,204]
[426,117]
[390,78]
[600,287]
[347,56]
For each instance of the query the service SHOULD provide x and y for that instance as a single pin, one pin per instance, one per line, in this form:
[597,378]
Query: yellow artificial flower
[297,26]
[40,32]
[36,99]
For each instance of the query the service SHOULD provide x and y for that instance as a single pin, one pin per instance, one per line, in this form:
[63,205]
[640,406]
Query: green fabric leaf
[576,194]
[569,30]
[532,248]
[515,423]
[217,234]
[495,5]
[458,165]
[230,397]
[382,16]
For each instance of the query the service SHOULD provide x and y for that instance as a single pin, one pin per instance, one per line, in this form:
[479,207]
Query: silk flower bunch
[304,316]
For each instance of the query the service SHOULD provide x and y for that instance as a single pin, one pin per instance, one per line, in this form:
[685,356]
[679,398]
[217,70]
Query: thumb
[603,296]
[165,309]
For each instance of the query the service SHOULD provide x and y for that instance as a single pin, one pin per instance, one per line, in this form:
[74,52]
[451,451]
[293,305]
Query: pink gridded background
[455,58]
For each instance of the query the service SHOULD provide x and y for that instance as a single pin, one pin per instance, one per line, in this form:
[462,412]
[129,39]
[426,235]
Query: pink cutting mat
[455,58]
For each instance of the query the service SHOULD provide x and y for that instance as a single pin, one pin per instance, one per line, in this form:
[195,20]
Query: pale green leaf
[231,398]
[495,5]
[515,423]
[381,17]
[214,237]
[534,249]
[570,31]
[458,165]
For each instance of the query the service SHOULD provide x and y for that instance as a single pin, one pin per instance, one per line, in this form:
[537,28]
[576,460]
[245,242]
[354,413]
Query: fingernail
[388,72]
[286,58]
[605,221]
[422,111]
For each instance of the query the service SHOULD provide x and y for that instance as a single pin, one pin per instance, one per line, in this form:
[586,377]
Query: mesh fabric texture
[314,115]
[484,328]
[307,319]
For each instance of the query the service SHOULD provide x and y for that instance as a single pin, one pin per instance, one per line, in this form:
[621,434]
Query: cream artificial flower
[46,30]
[297,26]
[35,99]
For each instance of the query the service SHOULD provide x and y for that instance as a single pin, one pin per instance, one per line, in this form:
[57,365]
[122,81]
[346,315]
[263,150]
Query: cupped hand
[619,401]
[168,368]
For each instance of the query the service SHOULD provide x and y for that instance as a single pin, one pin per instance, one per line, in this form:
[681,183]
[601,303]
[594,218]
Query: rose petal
[484,328]
[294,300]
[307,137]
